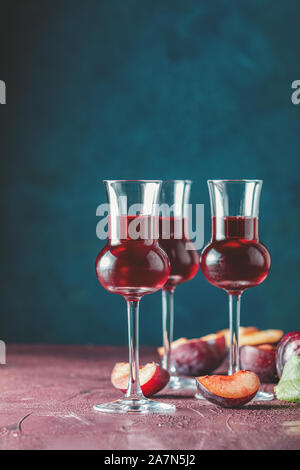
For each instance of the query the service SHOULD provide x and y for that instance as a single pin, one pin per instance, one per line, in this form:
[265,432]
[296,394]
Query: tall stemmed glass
[184,259]
[132,264]
[235,259]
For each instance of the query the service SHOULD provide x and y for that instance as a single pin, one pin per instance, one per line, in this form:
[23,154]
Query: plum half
[153,377]
[193,357]
[260,360]
[229,391]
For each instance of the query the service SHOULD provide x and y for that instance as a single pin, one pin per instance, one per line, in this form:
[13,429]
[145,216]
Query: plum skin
[260,361]
[157,381]
[199,357]
[288,346]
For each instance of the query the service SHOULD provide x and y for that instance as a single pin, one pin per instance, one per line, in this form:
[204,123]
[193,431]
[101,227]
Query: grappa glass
[184,259]
[132,264]
[235,259]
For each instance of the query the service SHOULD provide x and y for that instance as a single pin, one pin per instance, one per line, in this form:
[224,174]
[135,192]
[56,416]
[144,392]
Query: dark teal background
[140,89]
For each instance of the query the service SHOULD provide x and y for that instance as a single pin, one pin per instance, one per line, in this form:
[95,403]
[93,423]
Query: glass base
[181,383]
[263,396]
[260,396]
[127,405]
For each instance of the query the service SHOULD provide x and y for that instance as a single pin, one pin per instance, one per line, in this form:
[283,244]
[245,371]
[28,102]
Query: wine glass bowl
[236,260]
[184,263]
[132,268]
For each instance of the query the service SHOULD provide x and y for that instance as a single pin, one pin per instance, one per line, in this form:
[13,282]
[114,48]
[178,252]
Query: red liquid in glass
[132,267]
[235,259]
[184,262]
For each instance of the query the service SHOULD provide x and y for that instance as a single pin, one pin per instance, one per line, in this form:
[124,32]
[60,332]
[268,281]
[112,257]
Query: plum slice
[252,336]
[261,337]
[153,377]
[229,391]
[243,331]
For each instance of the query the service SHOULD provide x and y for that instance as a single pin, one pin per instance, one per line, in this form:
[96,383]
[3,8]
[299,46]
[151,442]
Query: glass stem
[134,389]
[168,328]
[234,324]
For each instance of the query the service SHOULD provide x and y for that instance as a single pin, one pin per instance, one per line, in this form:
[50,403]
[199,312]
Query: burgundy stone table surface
[48,393]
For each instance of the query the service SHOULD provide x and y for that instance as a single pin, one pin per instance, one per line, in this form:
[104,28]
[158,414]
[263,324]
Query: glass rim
[132,181]
[235,181]
[177,181]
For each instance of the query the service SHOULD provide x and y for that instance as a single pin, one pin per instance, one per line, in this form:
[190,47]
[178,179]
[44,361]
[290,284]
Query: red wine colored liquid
[184,262]
[132,267]
[235,259]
